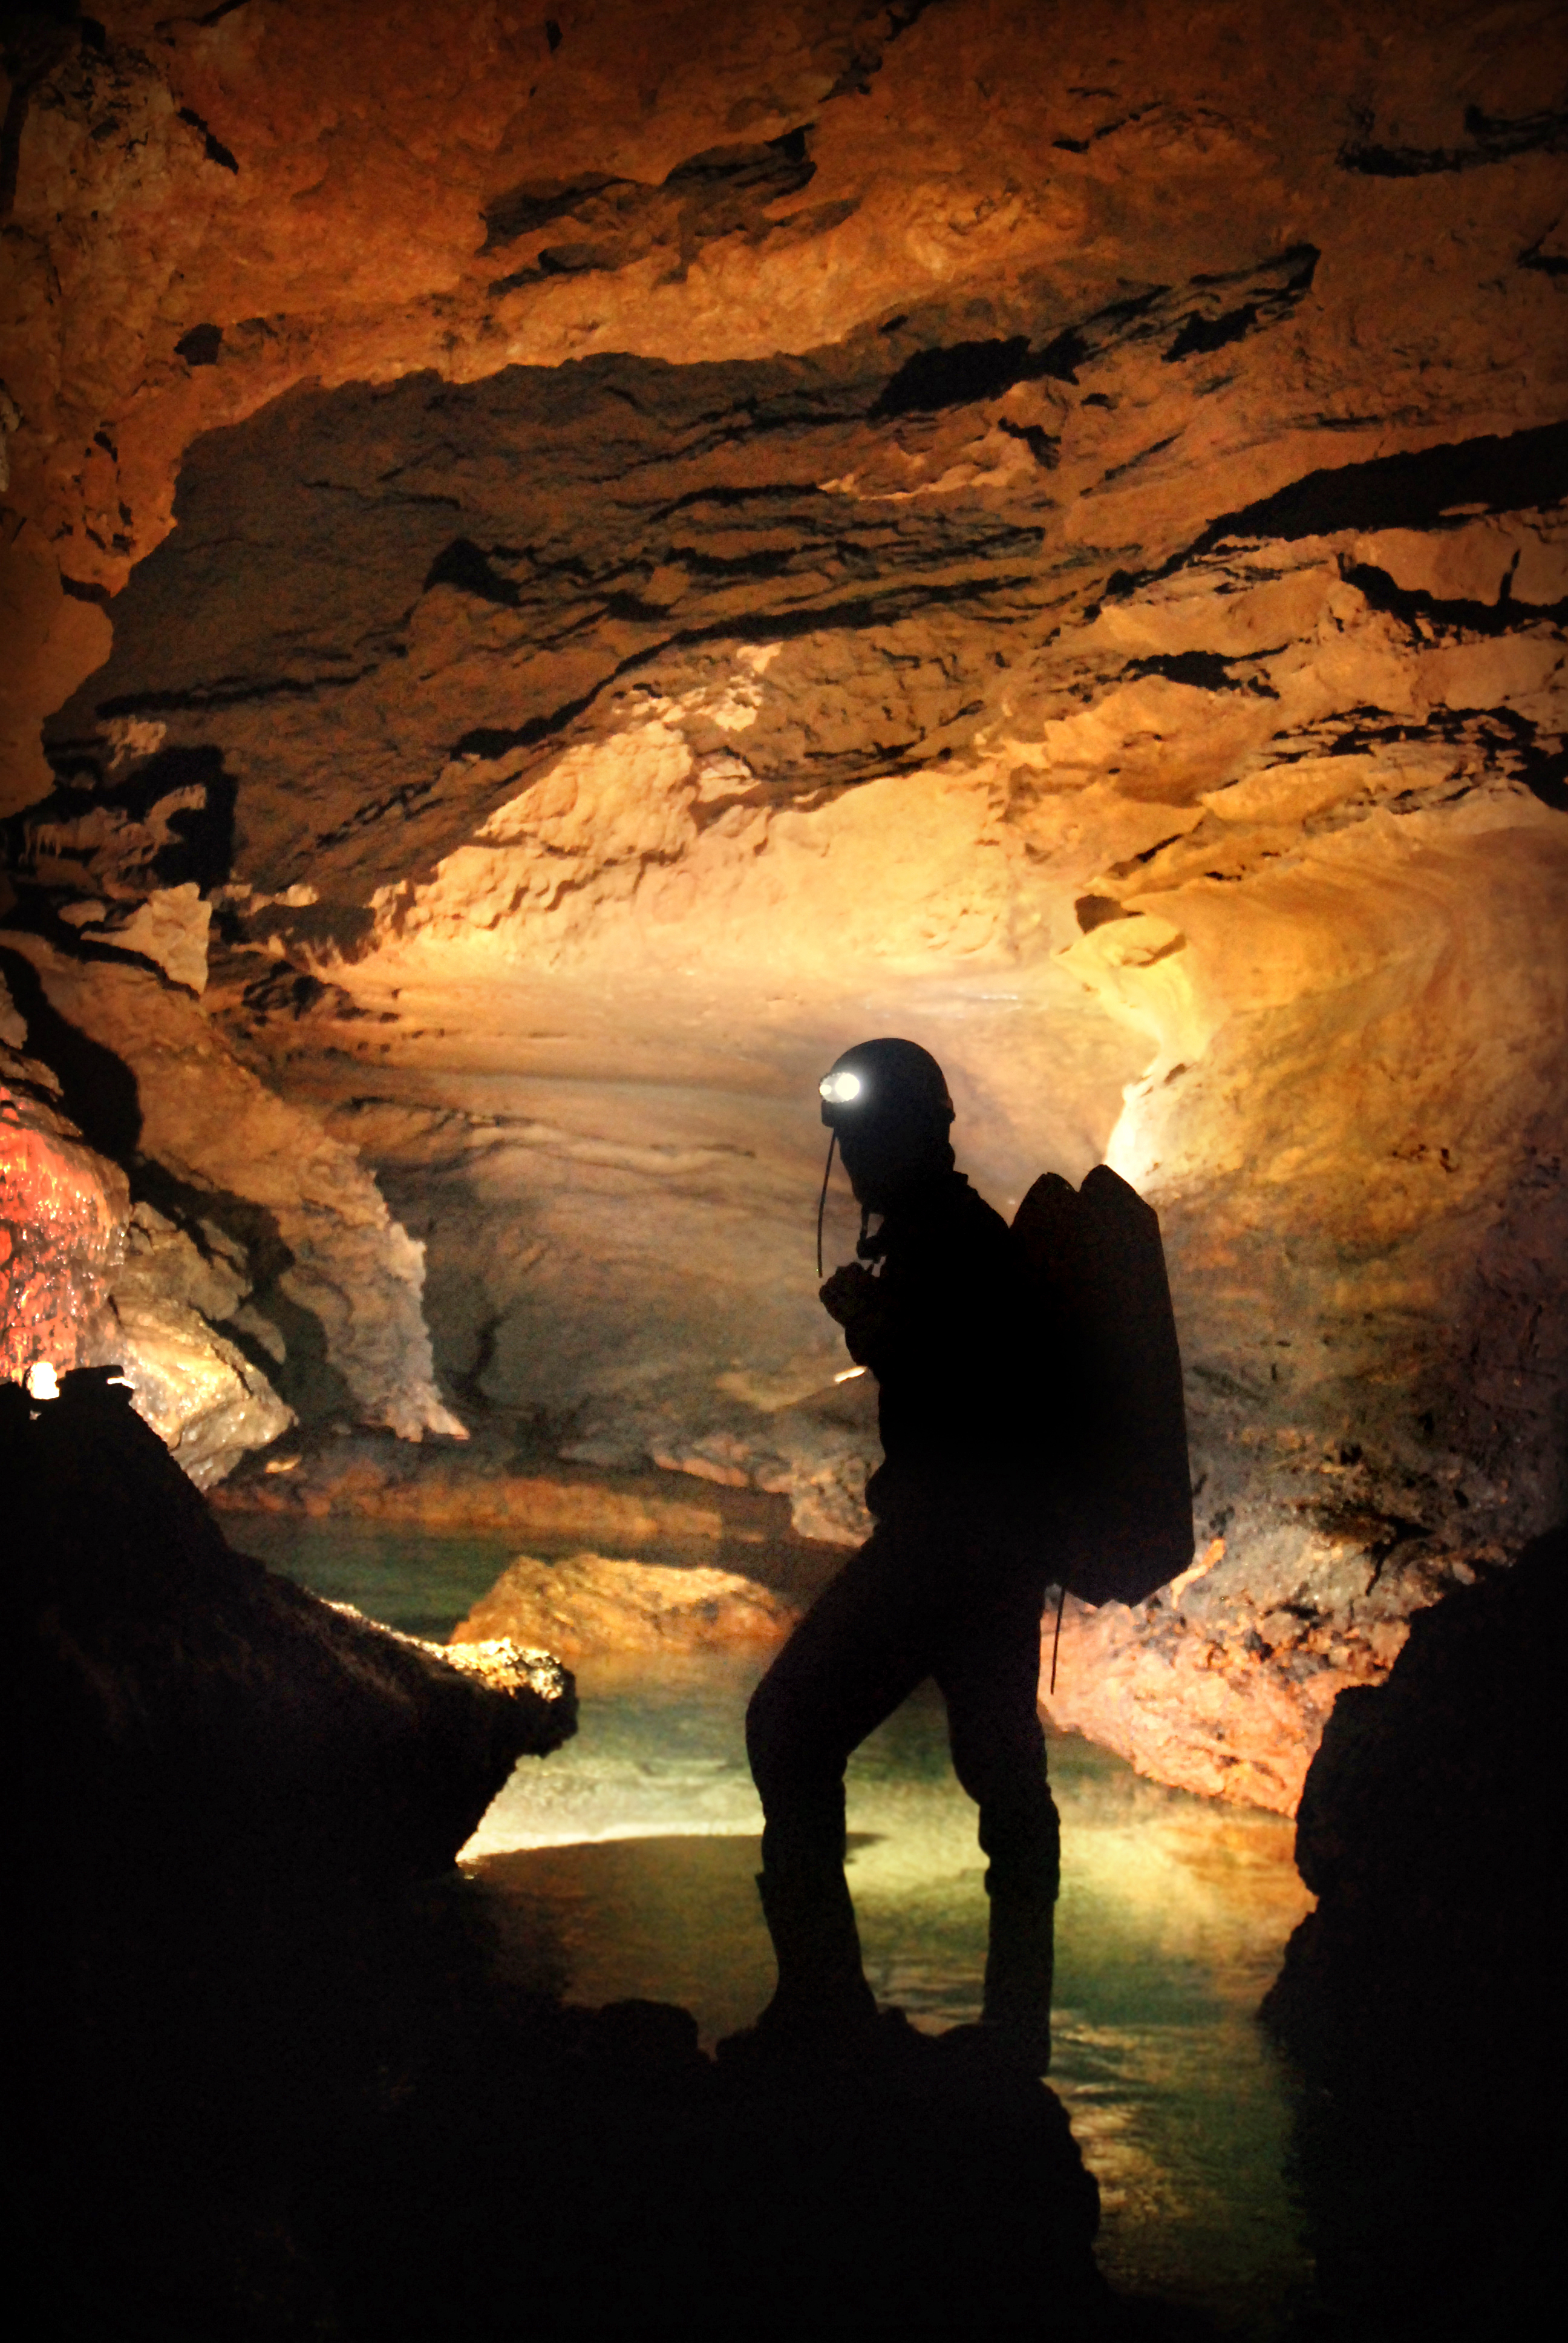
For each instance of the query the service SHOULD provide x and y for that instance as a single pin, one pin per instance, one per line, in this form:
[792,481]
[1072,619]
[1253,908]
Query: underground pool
[622,1866]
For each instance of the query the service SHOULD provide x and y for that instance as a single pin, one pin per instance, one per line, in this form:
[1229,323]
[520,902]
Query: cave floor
[623,1866]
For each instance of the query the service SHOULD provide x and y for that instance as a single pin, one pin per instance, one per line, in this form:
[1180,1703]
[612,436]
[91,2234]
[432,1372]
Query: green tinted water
[623,1865]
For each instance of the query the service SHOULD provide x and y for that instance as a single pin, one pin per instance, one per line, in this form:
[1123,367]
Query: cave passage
[623,1867]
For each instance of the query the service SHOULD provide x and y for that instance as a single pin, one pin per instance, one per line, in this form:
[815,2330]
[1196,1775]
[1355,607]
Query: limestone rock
[170,927]
[341,1278]
[63,1214]
[201,1395]
[589,1608]
[191,1704]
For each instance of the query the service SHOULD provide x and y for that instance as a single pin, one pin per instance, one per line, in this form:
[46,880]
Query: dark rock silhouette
[1424,1997]
[276,2079]
[194,1708]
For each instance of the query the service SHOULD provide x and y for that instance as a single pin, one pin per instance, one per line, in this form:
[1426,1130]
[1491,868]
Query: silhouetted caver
[950,1584]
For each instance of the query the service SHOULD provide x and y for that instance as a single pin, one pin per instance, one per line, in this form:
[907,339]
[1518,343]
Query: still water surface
[623,1865]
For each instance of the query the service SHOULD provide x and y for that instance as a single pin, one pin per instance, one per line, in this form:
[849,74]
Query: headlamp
[839,1088]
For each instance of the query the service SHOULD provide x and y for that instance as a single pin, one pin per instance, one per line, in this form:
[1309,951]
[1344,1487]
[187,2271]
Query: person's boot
[1019,1964]
[822,2006]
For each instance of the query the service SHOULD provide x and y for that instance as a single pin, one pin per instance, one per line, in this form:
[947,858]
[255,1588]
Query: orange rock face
[587,1608]
[61,1228]
[573,570]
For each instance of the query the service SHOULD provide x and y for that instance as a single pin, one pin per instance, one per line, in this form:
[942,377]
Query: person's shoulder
[982,1225]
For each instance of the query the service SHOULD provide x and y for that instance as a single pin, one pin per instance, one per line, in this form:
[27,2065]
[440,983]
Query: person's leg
[865,1645]
[989,1678]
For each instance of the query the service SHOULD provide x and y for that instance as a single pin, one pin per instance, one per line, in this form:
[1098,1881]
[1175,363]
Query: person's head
[888,1104]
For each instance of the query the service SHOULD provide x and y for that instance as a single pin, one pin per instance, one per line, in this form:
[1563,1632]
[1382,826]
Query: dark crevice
[1545,774]
[464,567]
[494,742]
[196,701]
[97,1089]
[871,46]
[1521,471]
[958,375]
[31,49]
[1550,264]
[537,204]
[198,841]
[200,346]
[213,148]
[1046,451]
[1200,335]
[1205,671]
[1491,140]
[84,590]
[1140,861]
[722,191]
[167,25]
[963,373]
[1411,604]
[1097,911]
[1158,449]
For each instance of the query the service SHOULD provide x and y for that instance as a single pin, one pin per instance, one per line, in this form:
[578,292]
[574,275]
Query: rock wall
[1422,1997]
[703,534]
[263,1227]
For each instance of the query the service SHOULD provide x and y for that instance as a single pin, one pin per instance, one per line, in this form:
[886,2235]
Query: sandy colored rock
[200,1393]
[587,1608]
[1206,1714]
[356,1478]
[344,1276]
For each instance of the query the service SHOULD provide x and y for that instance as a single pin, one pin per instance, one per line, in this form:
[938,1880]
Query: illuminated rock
[63,1214]
[335,1272]
[1050,541]
[589,1608]
[206,1400]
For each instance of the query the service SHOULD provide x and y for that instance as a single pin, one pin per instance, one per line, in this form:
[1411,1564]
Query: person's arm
[854,1297]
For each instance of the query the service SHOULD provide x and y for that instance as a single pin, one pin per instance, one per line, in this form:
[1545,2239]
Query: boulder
[194,1711]
[1422,1999]
[588,1607]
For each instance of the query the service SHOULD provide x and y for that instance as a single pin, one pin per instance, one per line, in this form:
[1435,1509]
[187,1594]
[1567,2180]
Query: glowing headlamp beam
[839,1088]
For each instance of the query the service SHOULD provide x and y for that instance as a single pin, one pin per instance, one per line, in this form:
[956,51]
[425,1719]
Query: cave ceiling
[565,570]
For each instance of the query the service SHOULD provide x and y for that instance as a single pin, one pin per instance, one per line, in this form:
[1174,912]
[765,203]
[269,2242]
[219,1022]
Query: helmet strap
[822,1199]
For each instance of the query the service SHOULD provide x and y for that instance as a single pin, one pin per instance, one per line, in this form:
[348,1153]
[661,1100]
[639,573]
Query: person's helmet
[879,1083]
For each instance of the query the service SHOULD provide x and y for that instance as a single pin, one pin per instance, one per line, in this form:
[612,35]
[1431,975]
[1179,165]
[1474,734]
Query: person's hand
[849,1293]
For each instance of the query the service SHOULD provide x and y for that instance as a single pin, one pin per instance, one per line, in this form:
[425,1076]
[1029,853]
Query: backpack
[1118,1433]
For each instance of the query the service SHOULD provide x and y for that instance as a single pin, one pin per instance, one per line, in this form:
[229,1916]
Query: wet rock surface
[586,1606]
[1423,1996]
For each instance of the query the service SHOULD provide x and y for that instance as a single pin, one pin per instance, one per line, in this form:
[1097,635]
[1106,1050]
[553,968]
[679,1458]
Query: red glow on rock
[62,1217]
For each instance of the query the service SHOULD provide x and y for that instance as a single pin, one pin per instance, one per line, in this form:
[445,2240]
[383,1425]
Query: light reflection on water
[623,1865]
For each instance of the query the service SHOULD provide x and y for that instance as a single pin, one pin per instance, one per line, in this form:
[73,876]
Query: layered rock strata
[1044,536]
[246,1213]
